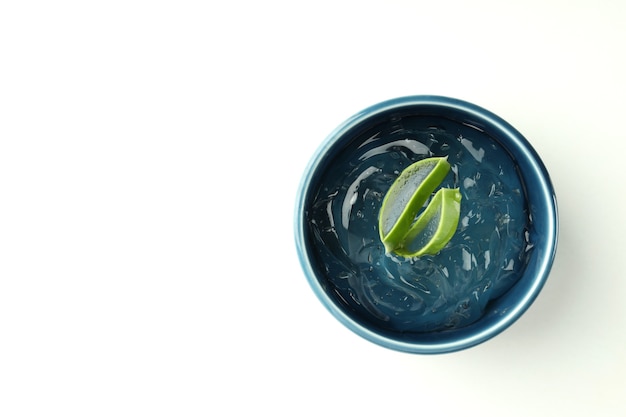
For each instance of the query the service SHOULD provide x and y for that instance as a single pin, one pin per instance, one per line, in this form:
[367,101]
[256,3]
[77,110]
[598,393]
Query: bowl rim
[513,138]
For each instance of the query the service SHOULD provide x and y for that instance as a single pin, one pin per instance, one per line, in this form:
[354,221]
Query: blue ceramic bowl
[457,116]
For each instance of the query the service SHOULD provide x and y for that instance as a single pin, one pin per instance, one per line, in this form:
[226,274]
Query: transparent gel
[451,289]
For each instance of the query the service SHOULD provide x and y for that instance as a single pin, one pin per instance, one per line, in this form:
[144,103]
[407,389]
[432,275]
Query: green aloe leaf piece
[434,228]
[401,229]
[406,197]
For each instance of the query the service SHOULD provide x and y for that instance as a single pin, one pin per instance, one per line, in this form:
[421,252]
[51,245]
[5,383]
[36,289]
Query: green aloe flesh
[434,228]
[405,233]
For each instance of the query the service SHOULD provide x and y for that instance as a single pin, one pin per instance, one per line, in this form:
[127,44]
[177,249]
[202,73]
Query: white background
[150,154]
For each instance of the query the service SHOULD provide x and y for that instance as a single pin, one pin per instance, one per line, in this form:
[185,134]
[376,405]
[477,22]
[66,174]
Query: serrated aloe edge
[401,229]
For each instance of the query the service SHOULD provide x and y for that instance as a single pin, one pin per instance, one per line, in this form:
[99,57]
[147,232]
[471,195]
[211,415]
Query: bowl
[489,272]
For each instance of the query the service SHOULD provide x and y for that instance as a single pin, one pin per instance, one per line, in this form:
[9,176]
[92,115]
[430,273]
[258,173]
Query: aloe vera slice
[405,198]
[434,228]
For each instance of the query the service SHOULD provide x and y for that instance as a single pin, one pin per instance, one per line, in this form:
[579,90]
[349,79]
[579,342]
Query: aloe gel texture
[434,292]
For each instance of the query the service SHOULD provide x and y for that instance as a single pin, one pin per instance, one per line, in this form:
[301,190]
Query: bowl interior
[461,118]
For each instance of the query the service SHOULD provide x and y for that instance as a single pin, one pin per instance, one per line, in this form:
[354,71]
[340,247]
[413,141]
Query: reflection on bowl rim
[526,154]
